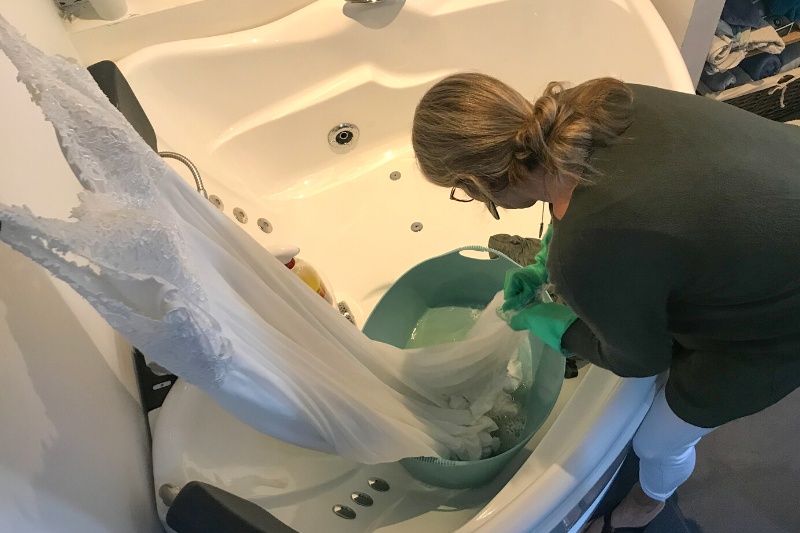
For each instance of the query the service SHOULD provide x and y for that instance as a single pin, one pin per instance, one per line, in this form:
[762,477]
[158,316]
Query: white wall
[692,24]
[676,15]
[73,445]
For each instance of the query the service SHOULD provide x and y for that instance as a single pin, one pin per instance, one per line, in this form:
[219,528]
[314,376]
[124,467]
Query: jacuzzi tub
[253,111]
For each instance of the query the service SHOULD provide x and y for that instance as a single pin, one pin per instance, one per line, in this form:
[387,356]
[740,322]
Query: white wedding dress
[199,296]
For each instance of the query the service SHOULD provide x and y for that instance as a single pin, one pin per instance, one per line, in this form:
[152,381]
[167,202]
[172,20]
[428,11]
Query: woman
[675,242]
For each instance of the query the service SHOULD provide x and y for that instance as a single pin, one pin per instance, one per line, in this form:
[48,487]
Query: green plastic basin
[456,280]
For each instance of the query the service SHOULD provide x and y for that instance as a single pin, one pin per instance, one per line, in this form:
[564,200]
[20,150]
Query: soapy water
[511,427]
[439,325]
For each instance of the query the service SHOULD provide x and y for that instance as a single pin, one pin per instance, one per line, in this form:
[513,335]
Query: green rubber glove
[522,284]
[548,321]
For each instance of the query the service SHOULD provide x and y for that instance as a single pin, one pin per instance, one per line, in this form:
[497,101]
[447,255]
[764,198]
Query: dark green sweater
[684,254]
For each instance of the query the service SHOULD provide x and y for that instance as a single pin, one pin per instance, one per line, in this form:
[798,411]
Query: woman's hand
[522,285]
[548,321]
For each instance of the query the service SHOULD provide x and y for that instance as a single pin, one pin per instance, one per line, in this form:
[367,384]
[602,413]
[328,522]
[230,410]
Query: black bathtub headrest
[111,81]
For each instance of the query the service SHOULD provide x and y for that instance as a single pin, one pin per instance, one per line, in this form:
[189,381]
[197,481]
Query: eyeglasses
[460,195]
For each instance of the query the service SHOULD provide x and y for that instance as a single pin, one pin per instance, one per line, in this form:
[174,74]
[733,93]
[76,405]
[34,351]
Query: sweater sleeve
[619,286]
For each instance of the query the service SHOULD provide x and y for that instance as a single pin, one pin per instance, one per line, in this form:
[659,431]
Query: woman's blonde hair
[474,131]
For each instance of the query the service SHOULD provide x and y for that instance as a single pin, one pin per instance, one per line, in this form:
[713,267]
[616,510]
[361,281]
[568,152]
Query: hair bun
[537,125]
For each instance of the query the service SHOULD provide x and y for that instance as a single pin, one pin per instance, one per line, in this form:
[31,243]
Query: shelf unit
[776,97]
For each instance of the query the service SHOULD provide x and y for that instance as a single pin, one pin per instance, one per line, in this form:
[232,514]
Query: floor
[747,478]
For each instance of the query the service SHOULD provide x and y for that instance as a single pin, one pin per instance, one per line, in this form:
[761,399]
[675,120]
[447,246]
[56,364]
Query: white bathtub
[253,111]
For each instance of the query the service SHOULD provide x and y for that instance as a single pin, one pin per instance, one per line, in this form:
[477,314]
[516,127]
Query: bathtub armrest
[203,508]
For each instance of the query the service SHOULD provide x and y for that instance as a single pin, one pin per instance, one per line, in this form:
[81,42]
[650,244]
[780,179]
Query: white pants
[665,446]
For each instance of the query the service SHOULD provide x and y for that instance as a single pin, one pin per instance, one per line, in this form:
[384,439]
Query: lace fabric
[199,296]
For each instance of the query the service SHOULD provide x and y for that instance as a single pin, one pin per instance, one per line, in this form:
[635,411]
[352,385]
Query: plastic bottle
[288,256]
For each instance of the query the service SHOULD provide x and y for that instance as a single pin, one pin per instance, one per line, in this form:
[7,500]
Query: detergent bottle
[288,256]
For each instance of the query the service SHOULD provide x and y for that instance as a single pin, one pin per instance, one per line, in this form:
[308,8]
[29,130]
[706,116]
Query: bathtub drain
[416,226]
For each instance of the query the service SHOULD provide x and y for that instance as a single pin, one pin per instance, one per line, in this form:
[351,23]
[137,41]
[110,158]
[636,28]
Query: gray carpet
[747,478]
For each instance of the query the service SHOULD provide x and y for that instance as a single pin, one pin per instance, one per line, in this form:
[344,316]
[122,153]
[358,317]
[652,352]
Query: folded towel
[761,66]
[744,13]
[724,29]
[791,65]
[741,76]
[790,57]
[726,52]
[719,81]
[723,55]
[702,90]
[787,8]
[521,250]
[714,83]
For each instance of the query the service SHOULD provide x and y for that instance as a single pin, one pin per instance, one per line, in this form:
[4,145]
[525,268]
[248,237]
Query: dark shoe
[608,529]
